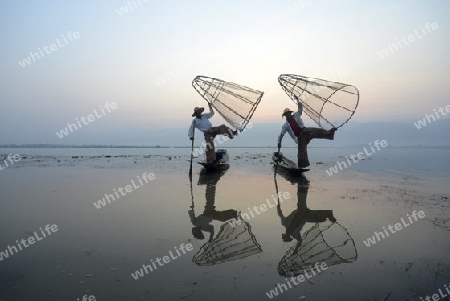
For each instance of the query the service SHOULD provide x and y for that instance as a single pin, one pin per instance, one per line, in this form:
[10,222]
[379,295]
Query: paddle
[192,193]
[192,152]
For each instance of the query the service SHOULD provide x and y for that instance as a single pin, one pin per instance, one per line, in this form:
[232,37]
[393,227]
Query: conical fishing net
[325,242]
[232,243]
[329,104]
[235,103]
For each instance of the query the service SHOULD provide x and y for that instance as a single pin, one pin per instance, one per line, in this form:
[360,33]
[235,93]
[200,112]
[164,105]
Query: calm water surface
[320,219]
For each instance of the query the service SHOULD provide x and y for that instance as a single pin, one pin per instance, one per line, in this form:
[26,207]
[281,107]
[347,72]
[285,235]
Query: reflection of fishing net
[329,104]
[325,242]
[232,243]
[235,103]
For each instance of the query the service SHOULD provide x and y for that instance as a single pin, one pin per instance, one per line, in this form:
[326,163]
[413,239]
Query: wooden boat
[286,164]
[221,163]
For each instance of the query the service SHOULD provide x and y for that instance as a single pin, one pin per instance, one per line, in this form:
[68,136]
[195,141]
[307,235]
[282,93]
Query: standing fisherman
[203,124]
[302,135]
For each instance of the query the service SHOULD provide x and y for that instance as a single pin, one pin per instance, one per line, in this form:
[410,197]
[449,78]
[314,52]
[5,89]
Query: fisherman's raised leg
[224,130]
[319,133]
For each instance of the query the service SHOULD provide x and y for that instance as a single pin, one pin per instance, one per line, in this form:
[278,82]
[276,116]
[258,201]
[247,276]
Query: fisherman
[202,123]
[302,135]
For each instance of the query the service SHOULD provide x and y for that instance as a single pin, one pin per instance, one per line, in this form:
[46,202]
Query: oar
[276,165]
[192,152]
[192,194]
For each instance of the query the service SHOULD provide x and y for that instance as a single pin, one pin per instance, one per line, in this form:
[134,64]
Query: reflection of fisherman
[203,221]
[302,135]
[295,221]
[203,124]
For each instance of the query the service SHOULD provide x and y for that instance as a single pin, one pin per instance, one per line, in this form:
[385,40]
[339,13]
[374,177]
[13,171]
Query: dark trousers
[306,135]
[210,134]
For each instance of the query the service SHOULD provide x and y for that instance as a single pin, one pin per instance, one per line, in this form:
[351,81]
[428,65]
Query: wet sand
[95,250]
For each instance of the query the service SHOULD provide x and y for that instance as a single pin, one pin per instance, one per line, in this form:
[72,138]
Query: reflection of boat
[221,162]
[326,241]
[286,164]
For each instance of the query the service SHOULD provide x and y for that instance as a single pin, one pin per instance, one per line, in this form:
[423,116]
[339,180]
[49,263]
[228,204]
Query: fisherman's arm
[280,137]
[191,130]
[211,112]
[299,105]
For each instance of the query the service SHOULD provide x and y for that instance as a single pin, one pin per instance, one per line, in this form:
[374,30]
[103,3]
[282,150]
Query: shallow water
[95,250]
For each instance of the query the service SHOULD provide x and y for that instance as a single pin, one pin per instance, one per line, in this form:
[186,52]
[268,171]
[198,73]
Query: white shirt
[202,123]
[287,127]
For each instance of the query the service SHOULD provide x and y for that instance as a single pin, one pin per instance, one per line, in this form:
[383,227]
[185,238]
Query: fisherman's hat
[197,109]
[285,111]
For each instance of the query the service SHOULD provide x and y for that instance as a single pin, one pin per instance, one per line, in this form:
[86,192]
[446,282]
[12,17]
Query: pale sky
[123,59]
